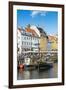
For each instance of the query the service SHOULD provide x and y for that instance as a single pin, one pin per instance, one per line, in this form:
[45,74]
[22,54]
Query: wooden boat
[44,66]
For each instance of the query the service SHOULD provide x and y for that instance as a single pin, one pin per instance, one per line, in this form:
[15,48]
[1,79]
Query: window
[22,42]
[24,38]
[27,43]
[32,38]
[27,37]
[35,38]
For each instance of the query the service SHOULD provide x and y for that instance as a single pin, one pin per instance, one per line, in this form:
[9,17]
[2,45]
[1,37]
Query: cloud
[41,13]
[34,13]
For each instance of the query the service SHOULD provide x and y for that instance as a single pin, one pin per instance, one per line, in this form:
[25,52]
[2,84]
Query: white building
[34,39]
[35,43]
[26,41]
[19,44]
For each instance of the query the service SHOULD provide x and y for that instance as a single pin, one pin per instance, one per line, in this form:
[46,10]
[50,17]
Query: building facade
[43,43]
[27,40]
[43,38]
[53,41]
[19,44]
[34,39]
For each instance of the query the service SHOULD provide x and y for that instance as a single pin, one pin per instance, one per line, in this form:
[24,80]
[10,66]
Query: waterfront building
[26,41]
[34,39]
[43,40]
[19,44]
[23,44]
[53,41]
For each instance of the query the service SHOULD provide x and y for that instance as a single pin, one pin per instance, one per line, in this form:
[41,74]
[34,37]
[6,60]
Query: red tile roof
[31,31]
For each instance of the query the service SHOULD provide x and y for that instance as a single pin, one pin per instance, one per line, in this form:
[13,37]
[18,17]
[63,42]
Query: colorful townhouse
[43,40]
[53,41]
[31,39]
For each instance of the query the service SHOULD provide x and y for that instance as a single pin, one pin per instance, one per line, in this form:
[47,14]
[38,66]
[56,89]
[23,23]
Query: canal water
[38,74]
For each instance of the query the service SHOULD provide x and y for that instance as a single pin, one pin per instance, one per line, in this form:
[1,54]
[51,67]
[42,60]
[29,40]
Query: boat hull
[43,66]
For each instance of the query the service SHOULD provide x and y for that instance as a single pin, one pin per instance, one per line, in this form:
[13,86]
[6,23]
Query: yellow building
[43,43]
[54,42]
[43,40]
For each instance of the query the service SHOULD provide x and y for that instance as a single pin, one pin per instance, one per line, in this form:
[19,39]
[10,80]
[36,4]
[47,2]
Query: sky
[48,20]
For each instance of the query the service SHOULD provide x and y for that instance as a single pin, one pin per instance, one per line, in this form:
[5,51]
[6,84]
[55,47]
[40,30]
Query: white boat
[27,61]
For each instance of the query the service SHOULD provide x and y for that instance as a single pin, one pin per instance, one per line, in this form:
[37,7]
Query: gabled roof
[41,30]
[43,33]
[33,27]
[52,38]
[31,31]
[20,29]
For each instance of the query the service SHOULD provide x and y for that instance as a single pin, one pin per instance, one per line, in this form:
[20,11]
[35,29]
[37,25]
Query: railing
[38,56]
[40,51]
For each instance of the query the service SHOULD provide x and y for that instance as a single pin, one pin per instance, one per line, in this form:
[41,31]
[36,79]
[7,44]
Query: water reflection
[38,74]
